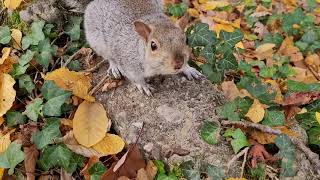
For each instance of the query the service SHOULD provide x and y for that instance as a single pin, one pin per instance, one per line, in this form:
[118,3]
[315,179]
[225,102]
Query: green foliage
[200,35]
[177,10]
[97,170]
[26,83]
[236,109]
[14,118]
[55,97]
[55,156]
[5,35]
[239,141]
[314,135]
[292,18]
[258,173]
[34,109]
[302,87]
[162,173]
[210,132]
[73,28]
[274,118]
[11,157]
[50,131]
[215,172]
[189,171]
[287,153]
[307,120]
[45,52]
[35,36]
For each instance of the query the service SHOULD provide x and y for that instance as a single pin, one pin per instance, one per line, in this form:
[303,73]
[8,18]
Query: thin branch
[98,86]
[96,66]
[236,157]
[313,157]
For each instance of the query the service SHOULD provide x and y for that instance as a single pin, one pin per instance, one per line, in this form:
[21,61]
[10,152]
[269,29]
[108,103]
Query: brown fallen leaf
[230,89]
[300,98]
[31,156]
[291,111]
[85,170]
[287,48]
[266,138]
[64,175]
[112,84]
[26,132]
[132,162]
[259,153]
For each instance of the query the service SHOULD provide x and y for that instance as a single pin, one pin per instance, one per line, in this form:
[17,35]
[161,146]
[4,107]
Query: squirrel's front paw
[114,71]
[192,73]
[145,89]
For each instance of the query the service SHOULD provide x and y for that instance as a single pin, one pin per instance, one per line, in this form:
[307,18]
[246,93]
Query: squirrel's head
[166,48]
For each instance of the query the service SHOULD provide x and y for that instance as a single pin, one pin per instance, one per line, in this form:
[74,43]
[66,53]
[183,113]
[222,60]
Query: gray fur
[110,32]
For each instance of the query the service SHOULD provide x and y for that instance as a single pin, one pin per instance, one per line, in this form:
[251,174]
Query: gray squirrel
[138,40]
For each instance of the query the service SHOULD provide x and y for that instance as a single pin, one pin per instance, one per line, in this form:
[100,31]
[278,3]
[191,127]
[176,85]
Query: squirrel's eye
[154,46]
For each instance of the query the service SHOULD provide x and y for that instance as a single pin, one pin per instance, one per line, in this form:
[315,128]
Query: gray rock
[172,119]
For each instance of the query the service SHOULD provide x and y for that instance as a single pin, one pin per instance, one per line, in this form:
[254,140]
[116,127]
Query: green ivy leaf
[19,70]
[76,161]
[189,172]
[215,172]
[14,118]
[230,39]
[209,52]
[50,131]
[263,92]
[36,35]
[177,10]
[5,35]
[268,72]
[287,152]
[210,132]
[228,61]
[302,87]
[314,135]
[160,166]
[56,98]
[55,156]
[26,58]
[73,28]
[274,118]
[200,35]
[307,120]
[11,157]
[75,66]
[26,83]
[34,109]
[292,18]
[212,73]
[46,52]
[239,141]
[314,106]
[97,170]
[276,39]
[235,109]
[310,36]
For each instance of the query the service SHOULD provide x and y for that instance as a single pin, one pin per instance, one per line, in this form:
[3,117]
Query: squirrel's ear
[183,22]
[142,29]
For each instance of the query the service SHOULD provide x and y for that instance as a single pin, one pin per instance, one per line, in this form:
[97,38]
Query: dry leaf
[230,89]
[265,51]
[211,5]
[31,156]
[1,120]
[16,35]
[109,145]
[90,123]
[64,175]
[74,146]
[77,82]
[85,171]
[5,54]
[287,48]
[193,12]
[318,117]
[12,4]
[7,66]
[7,93]
[67,122]
[300,98]
[132,162]
[256,112]
[266,138]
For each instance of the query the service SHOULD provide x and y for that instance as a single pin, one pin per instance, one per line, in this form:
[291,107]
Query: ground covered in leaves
[264,55]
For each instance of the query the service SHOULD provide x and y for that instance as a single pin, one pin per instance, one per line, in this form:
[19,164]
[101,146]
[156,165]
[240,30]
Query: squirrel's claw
[192,73]
[114,71]
[145,89]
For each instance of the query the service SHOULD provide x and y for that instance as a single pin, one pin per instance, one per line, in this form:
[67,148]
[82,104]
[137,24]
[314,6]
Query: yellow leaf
[1,173]
[256,112]
[225,27]
[7,66]
[211,5]
[109,145]
[237,179]
[193,12]
[1,120]
[90,123]
[12,4]
[5,54]
[313,59]
[77,82]
[7,93]
[203,1]
[67,122]
[239,45]
[4,142]
[318,117]
[236,23]
[16,35]
[266,138]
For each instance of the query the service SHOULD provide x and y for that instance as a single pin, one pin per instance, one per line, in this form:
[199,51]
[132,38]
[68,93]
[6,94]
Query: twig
[313,157]
[71,58]
[316,75]
[237,156]
[244,160]
[96,88]
[96,66]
